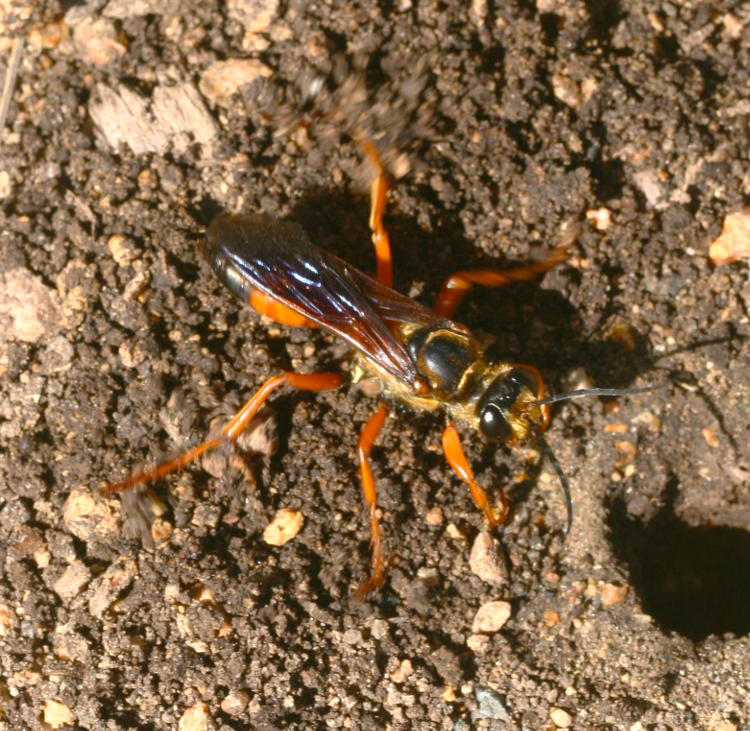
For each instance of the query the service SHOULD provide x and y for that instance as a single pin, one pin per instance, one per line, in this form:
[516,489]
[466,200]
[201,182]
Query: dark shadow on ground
[691,579]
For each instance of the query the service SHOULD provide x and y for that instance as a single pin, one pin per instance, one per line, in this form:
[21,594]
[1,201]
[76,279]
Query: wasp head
[506,409]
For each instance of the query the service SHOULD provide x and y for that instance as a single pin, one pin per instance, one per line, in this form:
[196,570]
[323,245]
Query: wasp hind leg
[301,381]
[458,285]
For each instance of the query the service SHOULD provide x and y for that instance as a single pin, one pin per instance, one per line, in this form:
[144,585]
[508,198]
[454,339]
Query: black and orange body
[422,357]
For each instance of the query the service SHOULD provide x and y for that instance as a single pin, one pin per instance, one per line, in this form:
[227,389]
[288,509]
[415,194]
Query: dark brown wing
[253,252]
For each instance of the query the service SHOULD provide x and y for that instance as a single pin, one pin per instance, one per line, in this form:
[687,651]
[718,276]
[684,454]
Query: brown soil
[119,346]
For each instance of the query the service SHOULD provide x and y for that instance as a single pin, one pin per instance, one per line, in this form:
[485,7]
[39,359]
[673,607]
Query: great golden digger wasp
[422,357]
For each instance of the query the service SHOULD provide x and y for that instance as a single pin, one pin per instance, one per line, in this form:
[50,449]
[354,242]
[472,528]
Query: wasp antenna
[594,392]
[550,455]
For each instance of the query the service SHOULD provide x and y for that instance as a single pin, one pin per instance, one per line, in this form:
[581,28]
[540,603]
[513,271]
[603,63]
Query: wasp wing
[255,252]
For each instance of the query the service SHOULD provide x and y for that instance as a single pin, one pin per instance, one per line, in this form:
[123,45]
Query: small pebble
[352,637]
[123,249]
[567,90]
[478,644]
[379,629]
[491,617]
[285,526]
[73,579]
[235,702]
[108,586]
[70,645]
[57,714]
[8,620]
[601,218]
[612,594]
[194,718]
[650,185]
[490,704]
[255,15]
[224,78]
[402,672]
[560,717]
[650,420]
[97,41]
[734,242]
[161,531]
[454,532]
[434,516]
[485,561]
[28,308]
[57,355]
[88,518]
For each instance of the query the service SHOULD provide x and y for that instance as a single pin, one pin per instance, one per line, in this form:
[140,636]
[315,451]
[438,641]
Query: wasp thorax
[503,409]
[443,358]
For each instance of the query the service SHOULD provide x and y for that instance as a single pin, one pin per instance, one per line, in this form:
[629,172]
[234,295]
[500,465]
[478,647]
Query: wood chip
[173,118]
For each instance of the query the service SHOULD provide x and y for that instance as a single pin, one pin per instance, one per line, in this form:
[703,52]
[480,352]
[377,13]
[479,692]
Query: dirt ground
[118,347]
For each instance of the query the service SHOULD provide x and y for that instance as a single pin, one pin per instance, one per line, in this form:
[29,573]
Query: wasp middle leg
[378,192]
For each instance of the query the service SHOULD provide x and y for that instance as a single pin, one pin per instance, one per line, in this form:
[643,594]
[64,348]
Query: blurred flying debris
[392,107]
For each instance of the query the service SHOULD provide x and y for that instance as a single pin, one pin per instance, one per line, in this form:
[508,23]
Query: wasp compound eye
[498,400]
[493,424]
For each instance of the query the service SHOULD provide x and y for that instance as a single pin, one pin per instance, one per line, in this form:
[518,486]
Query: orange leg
[302,381]
[380,240]
[458,285]
[456,458]
[364,448]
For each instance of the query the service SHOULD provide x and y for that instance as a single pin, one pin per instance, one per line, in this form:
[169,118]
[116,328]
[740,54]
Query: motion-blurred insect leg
[303,381]
[458,285]
[378,192]
[364,448]
[456,458]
